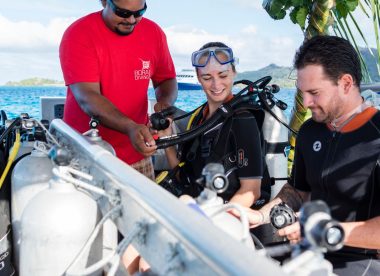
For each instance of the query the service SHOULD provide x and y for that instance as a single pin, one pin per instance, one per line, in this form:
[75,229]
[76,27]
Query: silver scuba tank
[213,206]
[274,132]
[93,136]
[55,225]
[110,232]
[26,147]
[30,176]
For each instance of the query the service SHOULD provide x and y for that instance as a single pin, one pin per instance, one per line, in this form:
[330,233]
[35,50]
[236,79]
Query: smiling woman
[241,156]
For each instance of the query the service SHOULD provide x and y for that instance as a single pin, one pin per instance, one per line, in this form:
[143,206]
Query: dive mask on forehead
[223,55]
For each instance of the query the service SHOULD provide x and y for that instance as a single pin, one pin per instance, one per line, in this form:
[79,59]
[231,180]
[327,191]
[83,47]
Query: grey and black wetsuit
[342,168]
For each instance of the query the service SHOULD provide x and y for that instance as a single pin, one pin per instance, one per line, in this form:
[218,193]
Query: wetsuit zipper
[329,160]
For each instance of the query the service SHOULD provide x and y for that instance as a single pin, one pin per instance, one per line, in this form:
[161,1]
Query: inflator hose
[12,156]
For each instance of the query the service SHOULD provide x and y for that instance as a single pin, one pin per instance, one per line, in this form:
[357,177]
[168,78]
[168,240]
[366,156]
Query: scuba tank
[30,176]
[56,224]
[7,157]
[93,135]
[276,139]
[110,232]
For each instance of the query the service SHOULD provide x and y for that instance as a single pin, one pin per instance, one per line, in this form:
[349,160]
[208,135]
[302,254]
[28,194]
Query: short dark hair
[336,55]
[217,44]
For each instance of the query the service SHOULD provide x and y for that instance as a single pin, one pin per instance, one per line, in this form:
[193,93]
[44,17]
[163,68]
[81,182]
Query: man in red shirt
[108,59]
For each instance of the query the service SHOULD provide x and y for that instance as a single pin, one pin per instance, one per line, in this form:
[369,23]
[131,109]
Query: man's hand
[142,140]
[292,232]
[159,106]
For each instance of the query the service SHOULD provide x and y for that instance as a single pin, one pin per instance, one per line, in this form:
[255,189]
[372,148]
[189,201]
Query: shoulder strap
[220,143]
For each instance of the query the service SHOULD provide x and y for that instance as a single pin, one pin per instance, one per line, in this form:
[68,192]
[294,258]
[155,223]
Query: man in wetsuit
[337,154]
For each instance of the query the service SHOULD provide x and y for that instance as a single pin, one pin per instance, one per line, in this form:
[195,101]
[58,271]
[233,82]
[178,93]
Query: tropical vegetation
[326,17]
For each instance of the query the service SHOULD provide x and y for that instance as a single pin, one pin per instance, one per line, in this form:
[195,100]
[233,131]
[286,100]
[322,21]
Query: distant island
[35,82]
[284,77]
[281,75]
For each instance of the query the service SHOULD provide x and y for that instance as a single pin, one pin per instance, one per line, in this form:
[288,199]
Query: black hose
[3,117]
[249,85]
[225,110]
[11,126]
[257,242]
[279,250]
[188,113]
[269,109]
[5,136]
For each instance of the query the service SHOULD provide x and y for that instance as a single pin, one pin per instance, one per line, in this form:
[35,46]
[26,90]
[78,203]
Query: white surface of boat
[187,80]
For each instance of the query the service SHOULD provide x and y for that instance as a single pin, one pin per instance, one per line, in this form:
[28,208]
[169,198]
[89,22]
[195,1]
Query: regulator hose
[8,130]
[269,109]
[249,85]
[12,156]
[226,110]
[3,116]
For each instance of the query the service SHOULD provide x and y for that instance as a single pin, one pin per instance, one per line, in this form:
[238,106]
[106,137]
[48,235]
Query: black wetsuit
[342,168]
[236,143]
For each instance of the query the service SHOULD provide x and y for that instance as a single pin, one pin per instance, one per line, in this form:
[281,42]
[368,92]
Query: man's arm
[288,194]
[94,104]
[362,234]
[166,94]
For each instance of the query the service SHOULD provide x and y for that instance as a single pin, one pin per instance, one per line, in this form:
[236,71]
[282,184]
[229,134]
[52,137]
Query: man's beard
[117,30]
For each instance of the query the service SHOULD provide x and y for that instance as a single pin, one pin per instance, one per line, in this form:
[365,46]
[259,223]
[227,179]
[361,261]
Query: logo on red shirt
[144,72]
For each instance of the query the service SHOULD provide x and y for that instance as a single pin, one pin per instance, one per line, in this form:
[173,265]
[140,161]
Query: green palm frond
[316,17]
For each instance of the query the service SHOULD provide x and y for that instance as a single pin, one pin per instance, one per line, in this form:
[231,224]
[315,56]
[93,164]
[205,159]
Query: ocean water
[15,100]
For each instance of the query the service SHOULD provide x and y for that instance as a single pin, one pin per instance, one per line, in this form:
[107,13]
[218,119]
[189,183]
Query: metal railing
[172,238]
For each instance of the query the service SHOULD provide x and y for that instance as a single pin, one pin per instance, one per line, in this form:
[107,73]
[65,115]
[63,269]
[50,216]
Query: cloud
[255,4]
[29,36]
[29,48]
[251,29]
[254,48]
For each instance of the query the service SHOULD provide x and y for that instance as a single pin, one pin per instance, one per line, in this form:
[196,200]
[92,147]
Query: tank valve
[94,122]
[60,156]
[214,178]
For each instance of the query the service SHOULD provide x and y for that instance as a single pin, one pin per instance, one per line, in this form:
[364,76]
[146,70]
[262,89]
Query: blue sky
[30,32]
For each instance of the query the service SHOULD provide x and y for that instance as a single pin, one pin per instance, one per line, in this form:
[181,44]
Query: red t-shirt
[123,65]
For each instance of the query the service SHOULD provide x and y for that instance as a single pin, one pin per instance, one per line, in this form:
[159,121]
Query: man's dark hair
[336,55]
